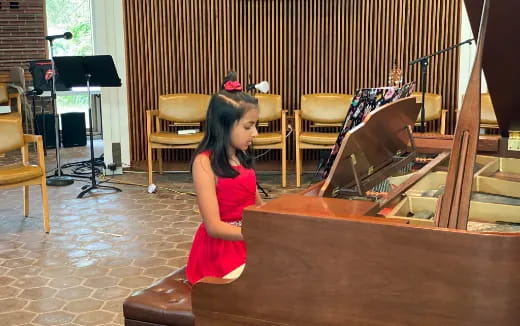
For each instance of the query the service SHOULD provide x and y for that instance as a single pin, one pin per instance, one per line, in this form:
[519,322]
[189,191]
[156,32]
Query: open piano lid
[500,58]
[372,145]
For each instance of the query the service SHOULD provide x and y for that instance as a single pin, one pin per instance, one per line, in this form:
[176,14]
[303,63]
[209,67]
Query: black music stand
[424,67]
[79,71]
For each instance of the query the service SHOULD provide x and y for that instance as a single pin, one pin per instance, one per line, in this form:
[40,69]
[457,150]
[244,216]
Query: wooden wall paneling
[301,47]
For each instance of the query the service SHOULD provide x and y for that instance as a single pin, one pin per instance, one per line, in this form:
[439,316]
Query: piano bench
[164,303]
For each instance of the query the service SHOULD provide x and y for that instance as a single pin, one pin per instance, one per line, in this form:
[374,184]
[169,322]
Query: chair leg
[150,164]
[45,204]
[26,201]
[298,166]
[159,158]
[284,167]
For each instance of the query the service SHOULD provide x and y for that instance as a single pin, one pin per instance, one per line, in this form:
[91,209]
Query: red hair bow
[232,86]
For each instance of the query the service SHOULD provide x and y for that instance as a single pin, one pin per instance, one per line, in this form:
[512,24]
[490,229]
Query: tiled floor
[100,249]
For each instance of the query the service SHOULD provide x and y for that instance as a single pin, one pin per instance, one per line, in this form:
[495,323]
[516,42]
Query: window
[71,16]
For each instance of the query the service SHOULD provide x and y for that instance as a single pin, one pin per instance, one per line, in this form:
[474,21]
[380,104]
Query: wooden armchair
[178,110]
[7,98]
[488,119]
[270,106]
[22,174]
[432,110]
[323,110]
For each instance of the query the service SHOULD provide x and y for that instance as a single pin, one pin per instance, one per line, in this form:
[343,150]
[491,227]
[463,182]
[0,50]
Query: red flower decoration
[232,86]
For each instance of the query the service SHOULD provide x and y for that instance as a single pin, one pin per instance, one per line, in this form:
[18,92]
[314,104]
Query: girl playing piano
[225,182]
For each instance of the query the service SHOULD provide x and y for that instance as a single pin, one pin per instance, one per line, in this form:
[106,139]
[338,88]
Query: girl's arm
[204,180]
[259,200]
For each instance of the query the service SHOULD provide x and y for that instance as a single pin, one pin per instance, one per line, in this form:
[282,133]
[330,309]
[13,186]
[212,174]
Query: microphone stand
[424,66]
[58,179]
[253,92]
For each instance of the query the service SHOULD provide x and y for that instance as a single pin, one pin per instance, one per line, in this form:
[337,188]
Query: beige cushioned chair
[322,110]
[178,110]
[270,107]
[22,174]
[432,110]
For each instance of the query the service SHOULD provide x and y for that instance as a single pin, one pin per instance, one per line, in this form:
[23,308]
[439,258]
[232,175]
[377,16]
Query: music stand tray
[87,71]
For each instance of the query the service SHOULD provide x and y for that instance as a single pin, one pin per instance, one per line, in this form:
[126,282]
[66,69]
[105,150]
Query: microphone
[261,86]
[66,35]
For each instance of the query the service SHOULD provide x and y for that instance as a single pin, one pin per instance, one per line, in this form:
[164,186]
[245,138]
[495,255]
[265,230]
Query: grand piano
[429,251]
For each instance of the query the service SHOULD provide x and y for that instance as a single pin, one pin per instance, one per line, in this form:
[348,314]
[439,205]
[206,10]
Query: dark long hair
[225,108]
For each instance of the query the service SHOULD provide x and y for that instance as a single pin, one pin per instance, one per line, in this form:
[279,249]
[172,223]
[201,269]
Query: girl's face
[244,130]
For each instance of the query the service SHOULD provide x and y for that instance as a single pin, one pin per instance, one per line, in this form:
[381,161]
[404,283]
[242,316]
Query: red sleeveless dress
[217,257]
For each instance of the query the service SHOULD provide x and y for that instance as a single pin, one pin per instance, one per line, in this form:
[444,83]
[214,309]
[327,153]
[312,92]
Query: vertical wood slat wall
[300,47]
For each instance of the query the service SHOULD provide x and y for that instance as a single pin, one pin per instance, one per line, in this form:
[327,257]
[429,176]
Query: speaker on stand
[45,128]
[73,129]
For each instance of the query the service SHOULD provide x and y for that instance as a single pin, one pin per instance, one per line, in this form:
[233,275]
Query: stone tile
[92,271]
[158,272]
[66,282]
[27,271]
[11,304]
[135,282]
[184,246]
[19,262]
[53,318]
[178,261]
[98,246]
[6,280]
[149,261]
[3,270]
[31,282]
[83,305]
[94,318]
[74,293]
[101,282]
[57,272]
[16,253]
[8,292]
[116,262]
[126,271]
[111,293]
[10,245]
[17,318]
[45,305]
[172,253]
[115,306]
[37,293]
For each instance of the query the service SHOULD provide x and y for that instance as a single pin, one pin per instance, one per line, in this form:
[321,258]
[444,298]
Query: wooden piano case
[317,260]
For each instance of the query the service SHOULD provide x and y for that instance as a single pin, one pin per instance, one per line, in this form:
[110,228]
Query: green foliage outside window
[70,16]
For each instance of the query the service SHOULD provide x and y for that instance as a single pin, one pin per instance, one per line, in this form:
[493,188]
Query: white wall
[467,57]
[108,34]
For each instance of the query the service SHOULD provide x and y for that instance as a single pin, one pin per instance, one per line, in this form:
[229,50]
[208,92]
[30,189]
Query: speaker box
[73,130]
[49,137]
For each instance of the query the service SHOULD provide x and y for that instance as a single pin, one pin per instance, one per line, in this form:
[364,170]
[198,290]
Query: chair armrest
[39,149]
[150,114]
[18,98]
[31,138]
